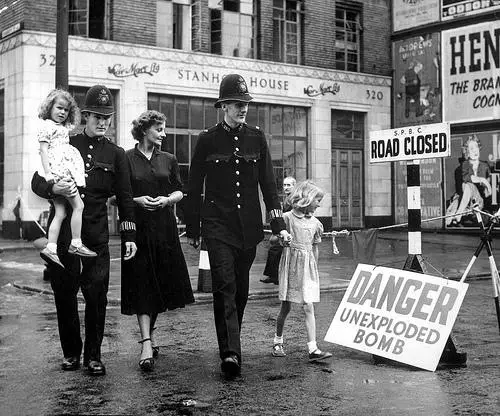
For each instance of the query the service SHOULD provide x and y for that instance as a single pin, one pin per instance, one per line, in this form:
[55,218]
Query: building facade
[447,68]
[319,73]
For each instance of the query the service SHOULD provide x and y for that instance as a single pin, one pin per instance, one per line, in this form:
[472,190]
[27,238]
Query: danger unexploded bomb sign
[410,143]
[397,314]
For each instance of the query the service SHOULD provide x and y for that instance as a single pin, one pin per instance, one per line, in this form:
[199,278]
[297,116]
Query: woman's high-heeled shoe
[147,364]
[156,349]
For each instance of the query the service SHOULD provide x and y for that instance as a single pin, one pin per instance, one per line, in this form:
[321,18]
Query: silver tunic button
[239,206]
[82,195]
[237,161]
[91,147]
[237,149]
[89,156]
[238,195]
[235,137]
[86,175]
[106,169]
[237,184]
[237,172]
[87,164]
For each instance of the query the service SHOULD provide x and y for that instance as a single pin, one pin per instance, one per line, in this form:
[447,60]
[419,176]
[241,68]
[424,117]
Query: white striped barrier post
[204,274]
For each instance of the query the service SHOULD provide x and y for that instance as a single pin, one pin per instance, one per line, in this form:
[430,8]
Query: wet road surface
[186,379]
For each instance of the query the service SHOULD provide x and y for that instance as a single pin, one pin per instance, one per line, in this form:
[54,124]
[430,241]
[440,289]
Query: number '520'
[47,60]
[374,95]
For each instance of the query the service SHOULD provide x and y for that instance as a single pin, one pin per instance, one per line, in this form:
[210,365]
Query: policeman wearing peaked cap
[232,159]
[107,174]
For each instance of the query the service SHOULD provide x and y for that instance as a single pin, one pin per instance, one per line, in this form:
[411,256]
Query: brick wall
[133,22]
[376,37]
[319,36]
[41,15]
[12,15]
[200,29]
[265,31]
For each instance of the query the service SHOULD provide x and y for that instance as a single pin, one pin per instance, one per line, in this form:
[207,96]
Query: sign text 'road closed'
[397,314]
[410,143]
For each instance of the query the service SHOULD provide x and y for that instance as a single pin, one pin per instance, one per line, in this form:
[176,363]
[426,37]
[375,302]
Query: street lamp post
[62,44]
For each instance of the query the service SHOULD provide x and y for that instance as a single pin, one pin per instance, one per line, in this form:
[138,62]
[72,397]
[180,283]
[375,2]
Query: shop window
[285,128]
[286,131]
[2,145]
[348,36]
[173,24]
[232,30]
[287,30]
[89,18]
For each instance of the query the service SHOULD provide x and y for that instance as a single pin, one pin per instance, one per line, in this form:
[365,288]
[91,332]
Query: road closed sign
[410,143]
[397,314]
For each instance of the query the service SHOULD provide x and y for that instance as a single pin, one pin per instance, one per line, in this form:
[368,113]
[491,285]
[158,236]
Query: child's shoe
[318,355]
[50,257]
[81,251]
[278,350]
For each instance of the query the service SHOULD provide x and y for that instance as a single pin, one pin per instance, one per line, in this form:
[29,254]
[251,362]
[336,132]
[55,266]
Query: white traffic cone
[204,274]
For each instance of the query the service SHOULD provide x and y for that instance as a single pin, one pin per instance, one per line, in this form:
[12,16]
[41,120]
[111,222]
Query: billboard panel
[452,9]
[411,13]
[471,73]
[417,89]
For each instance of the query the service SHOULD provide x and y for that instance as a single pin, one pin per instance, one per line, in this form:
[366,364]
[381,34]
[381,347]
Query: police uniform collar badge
[228,128]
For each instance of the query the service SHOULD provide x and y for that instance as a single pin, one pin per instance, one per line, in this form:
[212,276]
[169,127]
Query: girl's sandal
[147,364]
[156,349]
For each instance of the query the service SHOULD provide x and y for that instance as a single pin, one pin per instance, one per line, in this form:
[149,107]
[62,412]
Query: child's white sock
[77,242]
[312,346]
[52,247]
[277,339]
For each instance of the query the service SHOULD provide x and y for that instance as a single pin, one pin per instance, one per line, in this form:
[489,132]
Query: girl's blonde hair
[303,195]
[45,109]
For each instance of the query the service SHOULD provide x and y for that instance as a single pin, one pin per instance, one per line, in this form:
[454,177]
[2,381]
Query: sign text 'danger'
[397,314]
[410,143]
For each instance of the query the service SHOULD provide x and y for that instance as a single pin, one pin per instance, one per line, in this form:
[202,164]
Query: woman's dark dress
[157,278]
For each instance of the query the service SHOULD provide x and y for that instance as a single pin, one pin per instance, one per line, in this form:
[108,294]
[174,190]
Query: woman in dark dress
[157,279]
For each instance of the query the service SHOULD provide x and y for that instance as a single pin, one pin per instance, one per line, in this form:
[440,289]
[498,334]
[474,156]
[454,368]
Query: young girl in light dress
[58,114]
[298,269]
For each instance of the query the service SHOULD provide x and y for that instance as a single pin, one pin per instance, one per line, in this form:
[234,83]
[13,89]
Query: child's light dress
[298,271]
[64,159]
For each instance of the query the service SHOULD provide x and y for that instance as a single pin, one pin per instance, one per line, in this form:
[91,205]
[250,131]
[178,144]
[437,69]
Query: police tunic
[106,174]
[233,162]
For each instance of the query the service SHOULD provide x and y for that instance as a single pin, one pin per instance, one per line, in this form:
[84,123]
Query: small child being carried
[58,114]
[298,269]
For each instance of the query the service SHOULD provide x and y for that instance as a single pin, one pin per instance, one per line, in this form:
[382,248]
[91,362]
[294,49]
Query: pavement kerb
[200,297]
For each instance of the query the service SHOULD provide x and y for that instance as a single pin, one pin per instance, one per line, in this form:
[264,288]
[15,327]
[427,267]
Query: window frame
[218,8]
[86,21]
[351,28]
[281,24]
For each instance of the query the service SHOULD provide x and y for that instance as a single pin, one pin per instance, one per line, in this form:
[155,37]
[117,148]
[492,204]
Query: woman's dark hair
[142,123]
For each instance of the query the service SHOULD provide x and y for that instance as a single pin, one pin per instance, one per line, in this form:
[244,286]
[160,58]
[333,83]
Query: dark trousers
[230,267]
[92,276]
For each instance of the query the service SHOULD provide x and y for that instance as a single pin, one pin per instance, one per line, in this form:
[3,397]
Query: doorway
[347,169]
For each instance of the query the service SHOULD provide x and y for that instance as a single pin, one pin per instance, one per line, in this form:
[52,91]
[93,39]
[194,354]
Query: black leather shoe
[71,363]
[230,366]
[96,368]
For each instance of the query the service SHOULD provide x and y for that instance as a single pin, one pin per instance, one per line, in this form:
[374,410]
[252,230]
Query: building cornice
[80,44]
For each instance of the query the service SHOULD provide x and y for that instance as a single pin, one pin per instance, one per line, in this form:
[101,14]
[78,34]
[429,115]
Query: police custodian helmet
[99,100]
[233,88]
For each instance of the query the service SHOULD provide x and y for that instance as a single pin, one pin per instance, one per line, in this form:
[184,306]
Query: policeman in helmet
[232,159]
[106,172]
